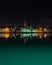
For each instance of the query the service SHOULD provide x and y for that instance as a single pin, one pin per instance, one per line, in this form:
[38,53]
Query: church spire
[25,23]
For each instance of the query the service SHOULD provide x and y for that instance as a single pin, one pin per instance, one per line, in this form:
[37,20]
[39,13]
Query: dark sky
[15,13]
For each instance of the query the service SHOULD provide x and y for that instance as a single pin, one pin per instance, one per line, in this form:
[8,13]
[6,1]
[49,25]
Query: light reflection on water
[25,35]
[36,51]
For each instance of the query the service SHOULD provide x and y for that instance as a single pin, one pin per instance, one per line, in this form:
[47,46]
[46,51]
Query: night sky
[15,13]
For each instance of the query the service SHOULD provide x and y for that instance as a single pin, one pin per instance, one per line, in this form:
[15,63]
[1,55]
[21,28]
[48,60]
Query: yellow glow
[39,35]
[40,30]
[6,29]
[6,35]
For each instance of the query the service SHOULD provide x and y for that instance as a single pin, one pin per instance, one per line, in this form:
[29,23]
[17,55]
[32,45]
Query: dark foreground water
[34,52]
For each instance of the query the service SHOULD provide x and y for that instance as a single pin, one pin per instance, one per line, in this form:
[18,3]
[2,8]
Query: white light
[45,35]
[44,29]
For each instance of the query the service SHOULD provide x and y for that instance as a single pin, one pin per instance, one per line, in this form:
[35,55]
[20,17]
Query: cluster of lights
[38,35]
[25,32]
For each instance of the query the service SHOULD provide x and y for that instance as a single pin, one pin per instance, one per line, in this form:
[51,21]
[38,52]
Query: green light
[26,35]
[25,30]
[33,30]
[29,35]
[28,30]
[34,34]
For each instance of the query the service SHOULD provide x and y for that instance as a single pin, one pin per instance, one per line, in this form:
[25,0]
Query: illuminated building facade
[24,32]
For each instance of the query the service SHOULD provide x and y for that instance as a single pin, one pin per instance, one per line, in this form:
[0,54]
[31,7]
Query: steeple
[25,23]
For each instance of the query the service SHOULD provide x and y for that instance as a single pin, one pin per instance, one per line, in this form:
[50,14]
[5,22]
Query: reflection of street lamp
[6,35]
[45,35]
[40,36]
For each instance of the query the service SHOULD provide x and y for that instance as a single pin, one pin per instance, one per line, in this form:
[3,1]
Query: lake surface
[34,52]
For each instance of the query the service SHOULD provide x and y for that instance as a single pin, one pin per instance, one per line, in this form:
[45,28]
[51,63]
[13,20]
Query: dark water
[34,52]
